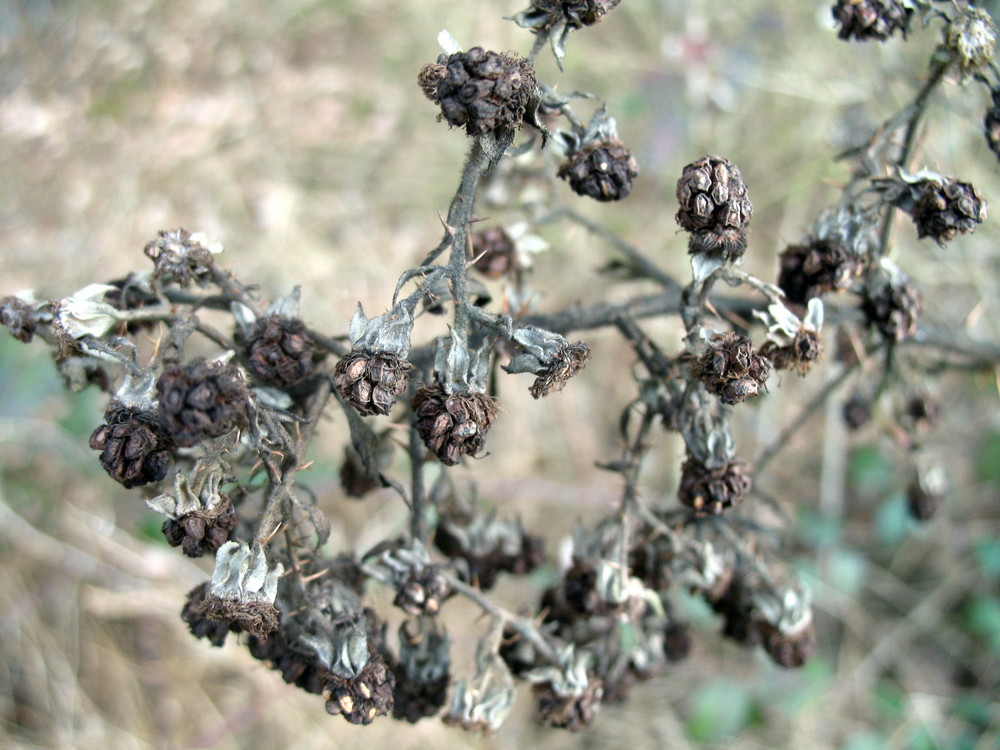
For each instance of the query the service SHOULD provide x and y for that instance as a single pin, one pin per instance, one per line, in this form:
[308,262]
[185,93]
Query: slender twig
[522,625]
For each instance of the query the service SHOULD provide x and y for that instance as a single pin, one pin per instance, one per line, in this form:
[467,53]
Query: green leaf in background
[870,470]
[987,554]
[846,570]
[889,699]
[922,739]
[720,709]
[892,519]
[151,528]
[818,530]
[866,741]
[810,690]
[86,409]
[982,617]
[27,378]
[988,459]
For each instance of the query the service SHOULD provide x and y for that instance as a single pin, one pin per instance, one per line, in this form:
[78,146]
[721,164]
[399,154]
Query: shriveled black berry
[893,307]
[201,400]
[871,19]
[453,425]
[812,269]
[710,491]
[714,206]
[945,209]
[731,369]
[135,449]
[603,171]
[484,91]
[280,351]
[371,381]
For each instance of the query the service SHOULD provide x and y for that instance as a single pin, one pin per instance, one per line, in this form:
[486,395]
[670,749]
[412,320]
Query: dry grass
[294,133]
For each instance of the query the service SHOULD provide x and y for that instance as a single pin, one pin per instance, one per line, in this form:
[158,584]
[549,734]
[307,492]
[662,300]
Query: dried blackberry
[485,91]
[453,424]
[736,607]
[243,589]
[731,369]
[494,252]
[575,597]
[871,19]
[181,257]
[423,592]
[279,351]
[135,449]
[712,490]
[602,170]
[18,317]
[567,362]
[799,355]
[925,492]
[714,206]
[892,306]
[943,209]
[815,268]
[199,625]
[360,699]
[575,14]
[569,693]
[202,533]
[371,381]
[201,400]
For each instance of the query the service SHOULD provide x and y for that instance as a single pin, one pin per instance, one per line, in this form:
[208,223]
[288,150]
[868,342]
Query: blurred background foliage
[294,132]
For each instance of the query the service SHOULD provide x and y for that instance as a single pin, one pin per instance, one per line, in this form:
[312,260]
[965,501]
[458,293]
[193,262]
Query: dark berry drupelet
[371,381]
[135,449]
[603,171]
[455,424]
[485,91]
[280,351]
[201,400]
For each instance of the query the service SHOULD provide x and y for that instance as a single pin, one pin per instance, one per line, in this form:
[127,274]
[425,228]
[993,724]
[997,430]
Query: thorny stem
[522,625]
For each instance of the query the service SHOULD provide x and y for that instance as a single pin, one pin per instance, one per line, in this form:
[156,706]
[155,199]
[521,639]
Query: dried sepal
[483,702]
[569,695]
[793,343]
[243,589]
[200,516]
[549,356]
